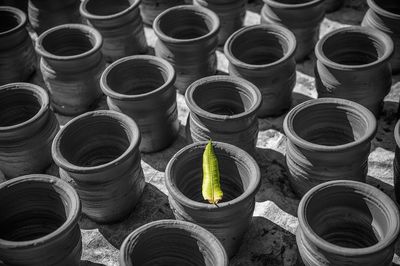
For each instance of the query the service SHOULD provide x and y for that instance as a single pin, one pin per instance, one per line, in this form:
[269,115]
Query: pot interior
[106,7]
[391,6]
[8,20]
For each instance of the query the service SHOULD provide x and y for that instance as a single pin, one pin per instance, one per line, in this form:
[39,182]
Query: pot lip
[377,35]
[244,84]
[66,165]
[368,191]
[195,9]
[17,12]
[34,89]
[197,232]
[239,155]
[71,220]
[146,59]
[355,107]
[277,4]
[84,28]
[376,8]
[397,133]
[85,13]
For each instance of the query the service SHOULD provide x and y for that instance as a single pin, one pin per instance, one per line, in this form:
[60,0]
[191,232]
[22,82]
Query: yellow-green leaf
[211,188]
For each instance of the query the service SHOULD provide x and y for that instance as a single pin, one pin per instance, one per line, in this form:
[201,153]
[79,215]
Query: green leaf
[211,188]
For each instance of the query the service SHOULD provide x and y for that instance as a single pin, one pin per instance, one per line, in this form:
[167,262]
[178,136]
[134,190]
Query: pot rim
[277,4]
[21,16]
[71,220]
[380,36]
[356,108]
[244,84]
[378,9]
[66,165]
[86,14]
[236,154]
[87,30]
[144,59]
[367,191]
[397,133]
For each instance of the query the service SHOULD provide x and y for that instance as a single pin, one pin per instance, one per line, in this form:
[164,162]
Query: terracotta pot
[240,180]
[173,243]
[188,38]
[120,24]
[46,14]
[353,64]
[333,5]
[347,223]
[71,65]
[327,139]
[100,151]
[150,9]
[17,55]
[396,162]
[142,87]
[384,15]
[303,18]
[264,55]
[231,14]
[27,129]
[39,222]
[20,4]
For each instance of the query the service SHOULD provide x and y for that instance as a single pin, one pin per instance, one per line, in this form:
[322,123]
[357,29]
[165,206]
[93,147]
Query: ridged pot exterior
[150,9]
[173,242]
[333,5]
[27,129]
[327,139]
[396,163]
[17,55]
[347,223]
[24,240]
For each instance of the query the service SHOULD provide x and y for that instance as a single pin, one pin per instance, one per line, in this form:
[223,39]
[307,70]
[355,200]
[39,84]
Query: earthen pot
[333,5]
[172,243]
[20,4]
[187,38]
[142,87]
[240,180]
[150,9]
[264,55]
[384,15]
[347,223]
[17,55]
[396,162]
[99,150]
[27,129]
[353,64]
[120,24]
[71,65]
[327,139]
[223,108]
[39,222]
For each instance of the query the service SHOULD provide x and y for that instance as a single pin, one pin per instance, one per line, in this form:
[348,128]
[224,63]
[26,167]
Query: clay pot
[223,108]
[17,55]
[384,15]
[120,24]
[333,5]
[20,4]
[264,55]
[231,14]
[353,64]
[327,139]
[240,180]
[347,223]
[99,150]
[39,222]
[188,38]
[142,87]
[71,65]
[27,129]
[303,18]
[174,243]
[150,9]
[396,162]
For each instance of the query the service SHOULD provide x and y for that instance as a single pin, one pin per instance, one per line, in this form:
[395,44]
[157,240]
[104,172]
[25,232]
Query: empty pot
[150,9]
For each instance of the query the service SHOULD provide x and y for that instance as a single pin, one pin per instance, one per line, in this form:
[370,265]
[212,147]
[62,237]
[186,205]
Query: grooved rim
[85,13]
[376,8]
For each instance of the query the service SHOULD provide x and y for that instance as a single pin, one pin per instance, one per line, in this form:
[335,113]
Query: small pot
[27,129]
[188,39]
[333,5]
[39,222]
[99,150]
[353,64]
[142,87]
[327,139]
[264,55]
[347,223]
[240,180]
[71,66]
[120,24]
[396,162]
[303,18]
[17,55]
[385,16]
[174,243]
[150,9]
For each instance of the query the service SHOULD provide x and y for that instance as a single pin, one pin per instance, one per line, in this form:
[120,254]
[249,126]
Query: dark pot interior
[106,8]
[391,6]
[9,20]
[292,2]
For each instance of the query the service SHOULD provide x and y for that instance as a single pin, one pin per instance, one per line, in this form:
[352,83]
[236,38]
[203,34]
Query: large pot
[264,55]
[347,223]
[150,9]
[396,162]
[39,222]
[240,180]
[327,139]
